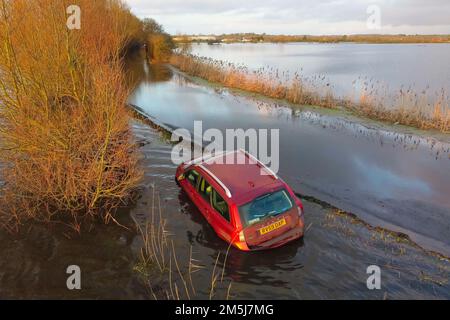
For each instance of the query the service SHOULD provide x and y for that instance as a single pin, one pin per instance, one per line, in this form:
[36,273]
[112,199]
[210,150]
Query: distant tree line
[158,43]
[371,38]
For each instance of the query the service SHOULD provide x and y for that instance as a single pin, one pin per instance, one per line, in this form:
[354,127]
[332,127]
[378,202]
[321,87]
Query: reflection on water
[330,262]
[330,159]
[143,73]
[374,177]
[387,67]
[363,170]
[33,263]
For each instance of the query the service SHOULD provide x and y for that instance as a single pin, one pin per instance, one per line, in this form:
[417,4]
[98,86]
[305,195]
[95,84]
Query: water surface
[329,263]
[399,181]
[385,68]
[390,178]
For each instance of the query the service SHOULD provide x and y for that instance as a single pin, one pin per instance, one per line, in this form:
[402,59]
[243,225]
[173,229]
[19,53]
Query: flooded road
[329,263]
[33,263]
[377,174]
[398,181]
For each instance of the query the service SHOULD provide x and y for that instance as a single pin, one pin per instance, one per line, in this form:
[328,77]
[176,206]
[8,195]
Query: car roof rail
[262,165]
[212,175]
[207,158]
[197,160]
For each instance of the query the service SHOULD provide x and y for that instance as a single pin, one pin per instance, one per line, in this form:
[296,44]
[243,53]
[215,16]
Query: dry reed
[160,266]
[406,107]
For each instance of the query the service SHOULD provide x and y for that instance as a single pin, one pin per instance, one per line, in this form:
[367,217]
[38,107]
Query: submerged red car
[246,208]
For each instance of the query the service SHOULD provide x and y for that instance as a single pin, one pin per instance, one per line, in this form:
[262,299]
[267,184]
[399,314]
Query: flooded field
[346,67]
[400,181]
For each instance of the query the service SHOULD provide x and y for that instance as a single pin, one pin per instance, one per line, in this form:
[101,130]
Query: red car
[245,207]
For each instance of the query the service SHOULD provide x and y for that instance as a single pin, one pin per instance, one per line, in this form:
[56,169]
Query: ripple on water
[330,262]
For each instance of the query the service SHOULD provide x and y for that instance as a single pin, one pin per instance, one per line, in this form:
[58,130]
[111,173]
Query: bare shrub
[65,141]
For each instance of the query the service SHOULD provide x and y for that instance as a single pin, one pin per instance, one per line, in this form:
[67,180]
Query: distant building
[202,38]
[194,38]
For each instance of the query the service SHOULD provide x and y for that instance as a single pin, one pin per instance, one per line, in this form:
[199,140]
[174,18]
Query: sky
[314,17]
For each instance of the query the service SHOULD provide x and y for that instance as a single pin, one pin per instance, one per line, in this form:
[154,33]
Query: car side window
[220,205]
[205,190]
[193,176]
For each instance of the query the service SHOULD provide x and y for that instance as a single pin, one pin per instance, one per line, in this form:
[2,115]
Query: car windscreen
[265,206]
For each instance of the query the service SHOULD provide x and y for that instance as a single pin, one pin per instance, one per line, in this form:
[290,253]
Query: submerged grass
[405,107]
[160,267]
[334,219]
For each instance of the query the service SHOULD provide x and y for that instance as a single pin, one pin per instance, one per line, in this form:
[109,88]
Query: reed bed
[65,141]
[165,275]
[424,110]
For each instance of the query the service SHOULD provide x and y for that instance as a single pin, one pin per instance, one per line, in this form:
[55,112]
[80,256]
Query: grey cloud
[414,13]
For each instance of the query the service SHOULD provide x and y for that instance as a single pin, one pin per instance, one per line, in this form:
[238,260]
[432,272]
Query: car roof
[240,174]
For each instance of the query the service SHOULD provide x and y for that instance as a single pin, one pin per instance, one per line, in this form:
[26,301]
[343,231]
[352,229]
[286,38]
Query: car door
[220,216]
[190,184]
[204,190]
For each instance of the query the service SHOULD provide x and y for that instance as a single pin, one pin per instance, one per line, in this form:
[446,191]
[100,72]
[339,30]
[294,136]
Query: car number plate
[273,226]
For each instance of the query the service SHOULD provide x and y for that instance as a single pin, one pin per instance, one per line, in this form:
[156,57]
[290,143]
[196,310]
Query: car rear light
[241,236]
[300,211]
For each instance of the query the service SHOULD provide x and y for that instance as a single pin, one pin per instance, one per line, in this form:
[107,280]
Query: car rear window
[264,206]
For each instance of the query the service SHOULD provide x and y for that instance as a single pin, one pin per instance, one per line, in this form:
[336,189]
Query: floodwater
[399,181]
[385,68]
[329,263]
[334,160]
